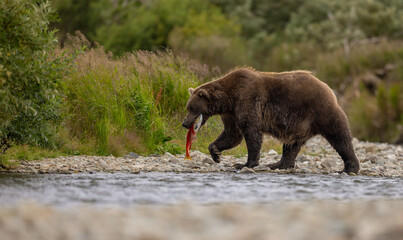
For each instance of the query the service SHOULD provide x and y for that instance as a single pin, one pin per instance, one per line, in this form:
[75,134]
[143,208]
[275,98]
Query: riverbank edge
[317,157]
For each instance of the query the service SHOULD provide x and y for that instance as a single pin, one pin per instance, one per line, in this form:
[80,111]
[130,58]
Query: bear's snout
[186,125]
[189,120]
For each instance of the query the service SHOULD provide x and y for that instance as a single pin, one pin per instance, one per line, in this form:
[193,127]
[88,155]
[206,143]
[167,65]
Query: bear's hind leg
[290,152]
[337,133]
[344,147]
[229,138]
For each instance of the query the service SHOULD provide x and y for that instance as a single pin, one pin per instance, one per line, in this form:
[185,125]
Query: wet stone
[193,165]
[208,161]
[391,157]
[305,170]
[64,171]
[173,160]
[380,162]
[103,163]
[247,170]
[343,174]
[272,152]
[169,155]
[301,158]
[133,155]
[329,164]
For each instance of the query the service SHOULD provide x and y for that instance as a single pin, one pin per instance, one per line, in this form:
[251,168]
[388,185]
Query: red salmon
[190,136]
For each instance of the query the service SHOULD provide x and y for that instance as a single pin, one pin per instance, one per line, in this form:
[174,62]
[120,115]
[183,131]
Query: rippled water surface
[171,188]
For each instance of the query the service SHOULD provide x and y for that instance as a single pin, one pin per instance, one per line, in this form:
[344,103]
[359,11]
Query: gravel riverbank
[377,159]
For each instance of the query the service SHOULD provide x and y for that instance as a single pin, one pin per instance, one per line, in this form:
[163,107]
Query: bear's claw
[279,165]
[350,170]
[239,166]
[215,153]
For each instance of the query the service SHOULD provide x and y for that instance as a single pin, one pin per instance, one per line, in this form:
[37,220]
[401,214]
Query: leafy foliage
[332,24]
[83,15]
[30,73]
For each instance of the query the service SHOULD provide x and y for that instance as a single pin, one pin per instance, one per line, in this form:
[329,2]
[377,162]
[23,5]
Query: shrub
[378,118]
[334,24]
[30,73]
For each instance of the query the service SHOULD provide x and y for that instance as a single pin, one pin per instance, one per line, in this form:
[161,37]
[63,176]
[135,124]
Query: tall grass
[125,104]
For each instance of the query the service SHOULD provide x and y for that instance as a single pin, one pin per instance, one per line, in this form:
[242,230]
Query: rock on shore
[377,159]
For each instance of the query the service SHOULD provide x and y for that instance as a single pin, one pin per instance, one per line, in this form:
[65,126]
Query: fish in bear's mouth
[191,135]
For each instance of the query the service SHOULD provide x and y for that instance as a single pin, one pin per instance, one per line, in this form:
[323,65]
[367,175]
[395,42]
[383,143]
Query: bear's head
[198,103]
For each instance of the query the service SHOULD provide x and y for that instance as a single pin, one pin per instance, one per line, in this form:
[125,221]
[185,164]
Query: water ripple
[171,188]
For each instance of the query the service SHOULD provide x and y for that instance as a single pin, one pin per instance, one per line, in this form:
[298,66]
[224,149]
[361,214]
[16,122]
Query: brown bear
[291,106]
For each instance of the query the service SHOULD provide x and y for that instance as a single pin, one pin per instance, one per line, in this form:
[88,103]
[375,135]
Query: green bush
[334,24]
[334,68]
[192,27]
[147,26]
[30,74]
[378,118]
[375,107]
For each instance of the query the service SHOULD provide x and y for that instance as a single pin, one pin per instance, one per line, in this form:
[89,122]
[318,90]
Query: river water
[206,188]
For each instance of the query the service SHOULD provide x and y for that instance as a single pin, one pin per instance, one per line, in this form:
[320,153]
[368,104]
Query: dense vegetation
[30,74]
[355,46]
[127,90]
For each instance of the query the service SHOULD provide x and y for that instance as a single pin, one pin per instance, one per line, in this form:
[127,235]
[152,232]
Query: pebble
[305,170]
[301,158]
[103,163]
[329,164]
[208,161]
[377,159]
[247,170]
[380,162]
[168,155]
[133,155]
[391,157]
[174,160]
[272,152]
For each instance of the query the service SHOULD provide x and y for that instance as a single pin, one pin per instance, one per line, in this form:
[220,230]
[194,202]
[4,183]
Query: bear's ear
[191,90]
[203,93]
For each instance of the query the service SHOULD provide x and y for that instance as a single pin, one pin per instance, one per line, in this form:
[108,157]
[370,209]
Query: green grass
[129,99]
[28,153]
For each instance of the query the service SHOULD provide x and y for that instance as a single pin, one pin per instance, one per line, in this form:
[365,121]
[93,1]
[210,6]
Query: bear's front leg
[254,144]
[229,138]
[214,152]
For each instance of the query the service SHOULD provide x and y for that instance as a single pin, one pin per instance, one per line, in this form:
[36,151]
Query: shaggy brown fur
[291,106]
